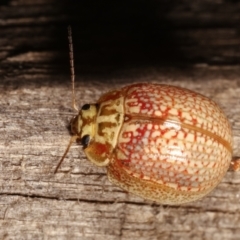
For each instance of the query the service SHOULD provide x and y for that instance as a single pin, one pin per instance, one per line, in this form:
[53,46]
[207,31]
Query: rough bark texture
[193,44]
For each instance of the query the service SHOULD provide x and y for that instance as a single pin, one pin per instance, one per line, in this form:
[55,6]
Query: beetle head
[83,125]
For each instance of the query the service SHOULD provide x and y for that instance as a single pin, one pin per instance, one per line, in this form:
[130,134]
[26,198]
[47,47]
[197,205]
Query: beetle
[161,142]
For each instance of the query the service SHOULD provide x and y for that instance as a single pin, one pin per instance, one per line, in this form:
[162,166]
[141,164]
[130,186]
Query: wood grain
[35,109]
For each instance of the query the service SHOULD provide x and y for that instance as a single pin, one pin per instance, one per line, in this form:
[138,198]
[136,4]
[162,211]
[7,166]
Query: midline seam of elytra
[184,125]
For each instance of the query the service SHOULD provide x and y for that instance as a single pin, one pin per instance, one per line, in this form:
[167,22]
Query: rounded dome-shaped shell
[174,145]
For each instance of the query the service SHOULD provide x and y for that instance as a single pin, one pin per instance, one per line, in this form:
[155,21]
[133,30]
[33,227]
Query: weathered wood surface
[198,48]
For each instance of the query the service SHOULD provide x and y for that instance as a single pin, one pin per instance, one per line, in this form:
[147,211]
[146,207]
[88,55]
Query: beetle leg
[235,164]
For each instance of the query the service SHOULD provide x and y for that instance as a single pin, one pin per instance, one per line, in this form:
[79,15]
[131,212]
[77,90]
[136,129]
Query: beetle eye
[85,140]
[86,106]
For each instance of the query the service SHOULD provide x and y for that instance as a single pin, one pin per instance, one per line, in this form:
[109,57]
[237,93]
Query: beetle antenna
[71,57]
[73,139]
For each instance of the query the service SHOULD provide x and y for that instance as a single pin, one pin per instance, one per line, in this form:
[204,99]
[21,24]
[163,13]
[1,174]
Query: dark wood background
[193,44]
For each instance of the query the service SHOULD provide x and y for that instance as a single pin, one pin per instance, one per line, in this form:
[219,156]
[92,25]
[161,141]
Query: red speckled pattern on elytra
[174,136]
